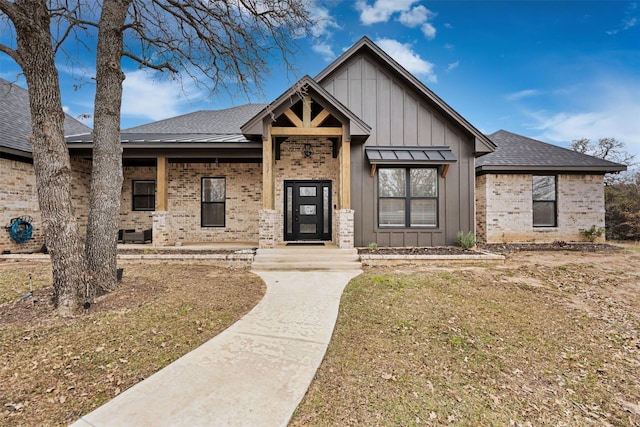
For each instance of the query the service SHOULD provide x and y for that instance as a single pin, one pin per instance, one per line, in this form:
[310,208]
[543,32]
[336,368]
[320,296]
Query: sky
[550,70]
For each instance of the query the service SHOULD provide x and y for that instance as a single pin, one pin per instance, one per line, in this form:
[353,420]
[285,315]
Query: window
[143,196]
[544,201]
[213,202]
[407,197]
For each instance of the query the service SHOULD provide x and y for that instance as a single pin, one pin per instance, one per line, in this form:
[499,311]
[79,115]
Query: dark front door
[307,210]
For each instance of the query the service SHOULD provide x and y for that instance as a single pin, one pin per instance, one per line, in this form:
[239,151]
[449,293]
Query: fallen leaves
[53,370]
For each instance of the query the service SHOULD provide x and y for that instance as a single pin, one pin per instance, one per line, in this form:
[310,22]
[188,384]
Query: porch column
[162,179]
[267,172]
[161,222]
[345,174]
[268,215]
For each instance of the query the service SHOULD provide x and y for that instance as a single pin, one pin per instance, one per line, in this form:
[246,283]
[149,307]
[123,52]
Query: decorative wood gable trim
[306,126]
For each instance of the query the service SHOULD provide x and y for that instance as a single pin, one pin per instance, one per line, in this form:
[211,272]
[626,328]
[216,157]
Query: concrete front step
[306,258]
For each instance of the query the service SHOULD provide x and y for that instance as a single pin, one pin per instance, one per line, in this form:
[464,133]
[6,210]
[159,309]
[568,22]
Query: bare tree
[608,149]
[221,43]
[34,52]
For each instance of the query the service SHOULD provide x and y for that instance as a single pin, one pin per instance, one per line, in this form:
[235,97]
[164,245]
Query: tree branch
[11,52]
[159,67]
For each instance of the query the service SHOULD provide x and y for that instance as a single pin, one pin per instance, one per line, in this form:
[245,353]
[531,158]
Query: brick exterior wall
[504,208]
[182,222]
[344,228]
[268,225]
[130,219]
[19,197]
[294,166]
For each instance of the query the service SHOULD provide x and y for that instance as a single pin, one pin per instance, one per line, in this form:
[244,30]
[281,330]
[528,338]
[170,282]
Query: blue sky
[551,70]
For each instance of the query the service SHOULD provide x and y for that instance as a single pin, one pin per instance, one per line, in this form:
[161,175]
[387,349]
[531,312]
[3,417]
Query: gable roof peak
[306,85]
[482,143]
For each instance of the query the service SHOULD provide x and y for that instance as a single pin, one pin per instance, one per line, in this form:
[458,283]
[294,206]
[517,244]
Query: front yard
[548,338]
[54,370]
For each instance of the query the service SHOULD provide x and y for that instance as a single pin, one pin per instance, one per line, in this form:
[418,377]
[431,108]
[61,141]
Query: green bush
[465,241]
[593,233]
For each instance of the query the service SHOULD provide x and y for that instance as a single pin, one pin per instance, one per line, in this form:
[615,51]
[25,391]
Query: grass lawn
[54,370]
[547,338]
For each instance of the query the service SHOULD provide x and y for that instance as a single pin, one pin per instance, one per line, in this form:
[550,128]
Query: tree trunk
[51,156]
[106,176]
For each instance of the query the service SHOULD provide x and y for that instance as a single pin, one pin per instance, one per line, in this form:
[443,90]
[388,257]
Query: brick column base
[344,228]
[160,228]
[268,219]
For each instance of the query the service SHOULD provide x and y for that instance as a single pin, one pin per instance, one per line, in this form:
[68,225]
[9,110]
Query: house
[18,195]
[362,153]
[530,191]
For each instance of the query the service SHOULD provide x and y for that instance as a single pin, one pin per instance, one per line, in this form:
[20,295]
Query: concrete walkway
[253,374]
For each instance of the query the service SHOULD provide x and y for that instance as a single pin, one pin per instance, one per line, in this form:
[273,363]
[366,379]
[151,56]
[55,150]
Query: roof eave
[16,153]
[554,169]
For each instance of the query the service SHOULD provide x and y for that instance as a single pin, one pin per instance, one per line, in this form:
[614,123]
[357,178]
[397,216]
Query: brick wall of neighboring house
[294,166]
[504,208]
[19,197]
[182,222]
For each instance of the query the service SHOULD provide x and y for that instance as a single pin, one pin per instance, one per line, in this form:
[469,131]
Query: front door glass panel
[307,210]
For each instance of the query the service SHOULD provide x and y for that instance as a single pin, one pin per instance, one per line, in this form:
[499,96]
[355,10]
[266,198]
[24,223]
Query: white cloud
[325,50]
[146,97]
[415,16]
[453,66]
[418,17]
[381,10]
[609,111]
[428,30]
[323,20]
[404,54]
[522,94]
[412,17]
[322,31]
[628,22]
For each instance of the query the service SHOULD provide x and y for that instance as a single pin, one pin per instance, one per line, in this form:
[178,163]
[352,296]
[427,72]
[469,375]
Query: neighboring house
[362,153]
[18,194]
[530,191]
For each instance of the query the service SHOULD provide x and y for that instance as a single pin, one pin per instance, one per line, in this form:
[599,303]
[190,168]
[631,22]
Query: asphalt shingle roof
[15,119]
[227,121]
[518,153]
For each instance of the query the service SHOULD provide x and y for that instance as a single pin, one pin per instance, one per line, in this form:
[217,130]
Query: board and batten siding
[401,116]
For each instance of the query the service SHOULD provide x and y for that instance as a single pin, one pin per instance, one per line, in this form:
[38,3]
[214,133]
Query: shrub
[593,233]
[465,241]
